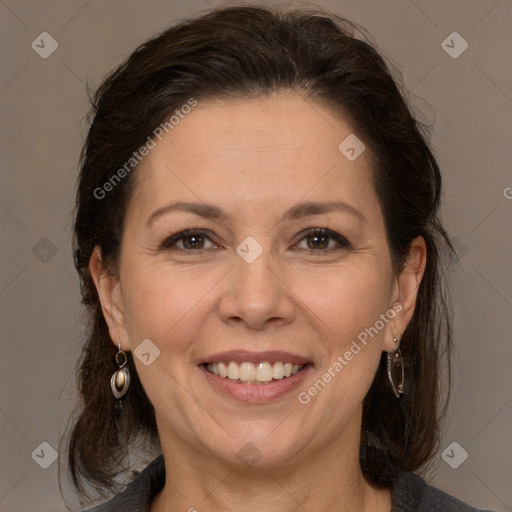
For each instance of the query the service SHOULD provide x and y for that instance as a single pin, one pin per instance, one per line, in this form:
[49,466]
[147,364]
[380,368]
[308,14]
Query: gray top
[410,494]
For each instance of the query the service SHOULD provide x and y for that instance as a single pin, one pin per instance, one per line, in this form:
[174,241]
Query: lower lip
[257,393]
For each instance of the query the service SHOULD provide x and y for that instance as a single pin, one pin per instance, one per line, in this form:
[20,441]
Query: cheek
[347,305]
[347,300]
[165,305]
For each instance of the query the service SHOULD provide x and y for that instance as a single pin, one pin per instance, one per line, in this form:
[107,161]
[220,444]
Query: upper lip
[244,356]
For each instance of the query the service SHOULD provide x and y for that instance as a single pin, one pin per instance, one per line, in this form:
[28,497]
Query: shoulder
[412,493]
[139,493]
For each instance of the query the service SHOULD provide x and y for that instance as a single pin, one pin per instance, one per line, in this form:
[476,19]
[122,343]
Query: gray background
[43,104]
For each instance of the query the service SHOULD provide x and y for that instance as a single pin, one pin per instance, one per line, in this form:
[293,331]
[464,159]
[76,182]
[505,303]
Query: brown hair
[247,52]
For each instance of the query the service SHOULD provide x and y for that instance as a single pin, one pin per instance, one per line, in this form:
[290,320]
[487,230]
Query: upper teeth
[247,372]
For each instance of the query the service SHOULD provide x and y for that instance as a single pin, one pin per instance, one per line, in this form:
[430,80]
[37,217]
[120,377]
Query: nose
[258,294]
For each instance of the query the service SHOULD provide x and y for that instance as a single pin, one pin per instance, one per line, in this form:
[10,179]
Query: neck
[326,480]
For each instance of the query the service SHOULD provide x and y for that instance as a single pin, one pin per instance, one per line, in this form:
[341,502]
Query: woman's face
[256,176]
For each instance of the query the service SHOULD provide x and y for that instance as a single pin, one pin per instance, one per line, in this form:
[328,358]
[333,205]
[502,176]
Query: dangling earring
[396,369]
[121,378]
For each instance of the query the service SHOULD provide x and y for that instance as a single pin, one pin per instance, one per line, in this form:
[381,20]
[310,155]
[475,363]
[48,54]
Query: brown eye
[320,240]
[191,240]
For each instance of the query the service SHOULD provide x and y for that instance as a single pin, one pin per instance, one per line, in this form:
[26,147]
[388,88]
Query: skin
[255,159]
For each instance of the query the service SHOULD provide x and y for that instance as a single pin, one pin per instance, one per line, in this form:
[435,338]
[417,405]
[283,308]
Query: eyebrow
[298,211]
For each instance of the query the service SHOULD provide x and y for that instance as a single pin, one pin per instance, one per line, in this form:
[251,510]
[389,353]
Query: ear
[406,290]
[109,291]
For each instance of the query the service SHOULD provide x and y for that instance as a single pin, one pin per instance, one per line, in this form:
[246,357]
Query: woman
[259,248]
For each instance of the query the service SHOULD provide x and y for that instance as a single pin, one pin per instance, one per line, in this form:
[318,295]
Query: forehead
[275,150]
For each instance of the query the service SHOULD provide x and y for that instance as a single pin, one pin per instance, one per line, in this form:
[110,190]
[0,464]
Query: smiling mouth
[249,373]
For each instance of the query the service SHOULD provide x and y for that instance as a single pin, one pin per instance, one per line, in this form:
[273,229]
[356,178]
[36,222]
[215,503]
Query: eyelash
[167,243]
